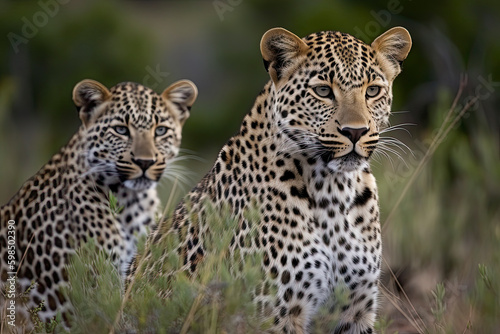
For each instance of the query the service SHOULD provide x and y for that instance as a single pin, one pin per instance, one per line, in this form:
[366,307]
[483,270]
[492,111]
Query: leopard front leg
[359,314]
[359,251]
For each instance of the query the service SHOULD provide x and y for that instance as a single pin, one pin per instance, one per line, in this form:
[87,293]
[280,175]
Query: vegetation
[214,302]
[438,230]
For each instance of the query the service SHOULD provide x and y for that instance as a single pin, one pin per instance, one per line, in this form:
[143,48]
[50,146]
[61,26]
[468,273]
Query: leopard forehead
[341,59]
[139,105]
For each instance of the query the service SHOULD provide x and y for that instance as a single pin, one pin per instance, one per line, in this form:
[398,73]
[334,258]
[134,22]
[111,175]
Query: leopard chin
[140,183]
[348,163]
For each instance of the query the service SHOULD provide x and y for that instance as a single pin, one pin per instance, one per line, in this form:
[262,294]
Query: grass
[215,302]
[440,218]
[441,221]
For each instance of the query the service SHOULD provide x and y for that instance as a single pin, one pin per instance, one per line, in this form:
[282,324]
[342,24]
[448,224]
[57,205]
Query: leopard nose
[353,134]
[144,164]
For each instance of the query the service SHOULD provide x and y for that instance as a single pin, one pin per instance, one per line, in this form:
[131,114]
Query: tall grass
[216,301]
[442,220]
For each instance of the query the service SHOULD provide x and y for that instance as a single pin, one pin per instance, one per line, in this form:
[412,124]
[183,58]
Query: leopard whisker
[175,171]
[102,167]
[378,155]
[397,127]
[395,142]
[290,140]
[384,148]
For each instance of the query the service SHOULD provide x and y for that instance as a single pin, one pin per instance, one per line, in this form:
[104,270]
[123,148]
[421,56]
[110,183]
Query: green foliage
[52,326]
[114,206]
[439,309]
[215,300]
[328,314]
[486,279]
[451,206]
[94,290]
[382,324]
[485,298]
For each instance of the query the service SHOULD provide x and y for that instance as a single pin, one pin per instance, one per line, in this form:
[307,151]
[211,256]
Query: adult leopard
[128,135]
[303,154]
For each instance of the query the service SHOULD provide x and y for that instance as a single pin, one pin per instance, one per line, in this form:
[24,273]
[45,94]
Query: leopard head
[130,132]
[332,92]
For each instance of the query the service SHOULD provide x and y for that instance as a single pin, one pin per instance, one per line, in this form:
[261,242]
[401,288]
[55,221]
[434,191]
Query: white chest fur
[135,220]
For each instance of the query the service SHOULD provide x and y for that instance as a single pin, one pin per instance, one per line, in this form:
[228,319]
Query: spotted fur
[128,135]
[303,154]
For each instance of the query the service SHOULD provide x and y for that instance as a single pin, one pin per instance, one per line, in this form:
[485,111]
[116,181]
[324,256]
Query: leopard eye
[121,130]
[372,91]
[323,91]
[160,131]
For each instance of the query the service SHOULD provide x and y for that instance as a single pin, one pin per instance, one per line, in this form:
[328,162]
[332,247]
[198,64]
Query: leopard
[128,136]
[303,154]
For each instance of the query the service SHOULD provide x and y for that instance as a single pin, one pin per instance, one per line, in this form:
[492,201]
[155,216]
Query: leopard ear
[182,94]
[393,47]
[281,51]
[88,95]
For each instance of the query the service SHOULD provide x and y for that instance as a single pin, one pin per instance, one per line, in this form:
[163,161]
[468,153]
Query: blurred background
[440,208]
